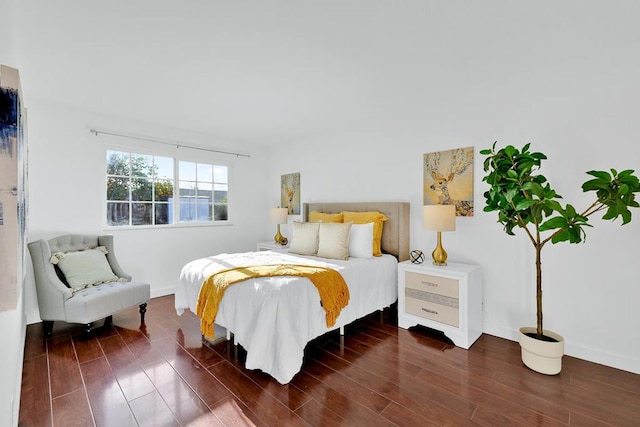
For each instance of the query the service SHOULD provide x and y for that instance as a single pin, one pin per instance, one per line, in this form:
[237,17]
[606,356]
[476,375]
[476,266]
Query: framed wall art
[13,200]
[290,192]
[448,179]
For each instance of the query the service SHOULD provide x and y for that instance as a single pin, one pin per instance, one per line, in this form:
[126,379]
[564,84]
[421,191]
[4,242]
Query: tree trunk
[539,291]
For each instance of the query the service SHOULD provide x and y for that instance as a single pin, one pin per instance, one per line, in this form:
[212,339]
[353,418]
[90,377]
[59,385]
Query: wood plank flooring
[161,374]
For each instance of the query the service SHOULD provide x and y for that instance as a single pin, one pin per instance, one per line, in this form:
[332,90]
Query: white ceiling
[276,71]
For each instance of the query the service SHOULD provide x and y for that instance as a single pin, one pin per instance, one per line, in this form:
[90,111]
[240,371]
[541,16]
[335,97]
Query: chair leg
[48,328]
[143,310]
[88,327]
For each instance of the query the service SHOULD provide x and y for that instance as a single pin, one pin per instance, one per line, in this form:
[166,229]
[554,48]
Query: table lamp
[279,216]
[439,218]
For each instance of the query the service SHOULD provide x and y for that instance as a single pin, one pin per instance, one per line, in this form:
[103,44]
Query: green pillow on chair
[85,268]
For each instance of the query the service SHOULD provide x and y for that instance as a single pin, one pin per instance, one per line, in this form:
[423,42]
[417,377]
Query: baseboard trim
[155,293]
[613,360]
[577,350]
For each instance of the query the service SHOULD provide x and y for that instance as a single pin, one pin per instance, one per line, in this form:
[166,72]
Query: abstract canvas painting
[290,192]
[13,206]
[448,179]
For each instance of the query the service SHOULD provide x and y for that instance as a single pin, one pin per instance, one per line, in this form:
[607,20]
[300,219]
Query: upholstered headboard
[395,233]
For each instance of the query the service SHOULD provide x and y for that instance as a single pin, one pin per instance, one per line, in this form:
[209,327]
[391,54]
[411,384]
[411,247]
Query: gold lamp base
[279,238]
[439,255]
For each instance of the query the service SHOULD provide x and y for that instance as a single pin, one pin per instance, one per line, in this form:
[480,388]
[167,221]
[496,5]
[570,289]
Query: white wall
[7,47]
[66,178]
[552,80]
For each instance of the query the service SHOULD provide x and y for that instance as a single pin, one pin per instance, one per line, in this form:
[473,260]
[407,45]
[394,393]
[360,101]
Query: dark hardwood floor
[162,374]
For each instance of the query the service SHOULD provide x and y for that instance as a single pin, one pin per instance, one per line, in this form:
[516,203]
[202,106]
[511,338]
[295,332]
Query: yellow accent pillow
[315,216]
[378,220]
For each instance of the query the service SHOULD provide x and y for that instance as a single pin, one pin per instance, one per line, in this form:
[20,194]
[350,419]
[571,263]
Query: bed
[273,318]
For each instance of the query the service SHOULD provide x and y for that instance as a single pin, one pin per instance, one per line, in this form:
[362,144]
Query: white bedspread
[274,318]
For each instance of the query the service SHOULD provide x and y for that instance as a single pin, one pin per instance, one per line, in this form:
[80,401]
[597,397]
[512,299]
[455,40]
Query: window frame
[177,155]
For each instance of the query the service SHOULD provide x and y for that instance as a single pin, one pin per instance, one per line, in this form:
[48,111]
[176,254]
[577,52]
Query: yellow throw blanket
[333,290]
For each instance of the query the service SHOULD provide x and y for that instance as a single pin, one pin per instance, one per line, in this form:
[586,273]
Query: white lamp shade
[279,215]
[439,217]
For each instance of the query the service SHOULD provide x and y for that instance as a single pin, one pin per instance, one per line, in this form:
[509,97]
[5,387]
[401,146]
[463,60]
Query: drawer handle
[435,285]
[429,311]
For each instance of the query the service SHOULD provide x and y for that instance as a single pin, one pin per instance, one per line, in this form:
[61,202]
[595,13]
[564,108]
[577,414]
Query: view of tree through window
[140,190]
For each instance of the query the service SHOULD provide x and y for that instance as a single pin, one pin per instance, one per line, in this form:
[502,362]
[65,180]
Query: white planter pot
[542,356]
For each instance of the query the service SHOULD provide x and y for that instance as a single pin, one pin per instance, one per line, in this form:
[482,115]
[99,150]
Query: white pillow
[304,239]
[361,240]
[86,268]
[333,240]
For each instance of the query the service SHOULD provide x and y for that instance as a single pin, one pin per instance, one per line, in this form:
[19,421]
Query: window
[203,192]
[141,190]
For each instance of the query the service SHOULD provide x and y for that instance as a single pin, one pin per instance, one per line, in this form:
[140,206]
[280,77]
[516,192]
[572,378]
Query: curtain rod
[176,144]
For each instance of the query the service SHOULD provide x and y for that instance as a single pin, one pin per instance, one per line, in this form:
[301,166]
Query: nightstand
[446,298]
[273,246]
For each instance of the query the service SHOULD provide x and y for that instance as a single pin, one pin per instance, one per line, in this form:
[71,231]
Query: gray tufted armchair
[57,301]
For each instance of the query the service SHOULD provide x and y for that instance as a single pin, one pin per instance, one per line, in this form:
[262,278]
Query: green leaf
[611,213]
[525,204]
[600,174]
[486,164]
[595,184]
[553,223]
[552,204]
[511,194]
[563,236]
[534,187]
[510,150]
[626,173]
[540,179]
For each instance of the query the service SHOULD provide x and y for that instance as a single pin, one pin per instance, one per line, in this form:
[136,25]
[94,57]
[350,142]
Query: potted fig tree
[525,200]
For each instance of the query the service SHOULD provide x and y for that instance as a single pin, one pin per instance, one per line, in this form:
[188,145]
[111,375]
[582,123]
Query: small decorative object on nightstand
[446,298]
[416,257]
[272,246]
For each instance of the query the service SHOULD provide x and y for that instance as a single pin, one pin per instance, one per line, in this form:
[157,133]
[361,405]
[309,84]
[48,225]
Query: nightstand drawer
[437,312]
[432,284]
